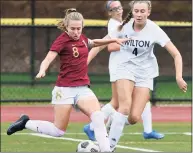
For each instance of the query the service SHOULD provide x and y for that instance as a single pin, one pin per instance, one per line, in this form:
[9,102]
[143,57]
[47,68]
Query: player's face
[140,13]
[74,29]
[116,10]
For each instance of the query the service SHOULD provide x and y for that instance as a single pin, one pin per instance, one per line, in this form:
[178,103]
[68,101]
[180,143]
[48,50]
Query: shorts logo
[75,52]
[58,95]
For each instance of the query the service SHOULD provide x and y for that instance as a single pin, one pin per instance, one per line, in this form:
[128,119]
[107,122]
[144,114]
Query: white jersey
[114,56]
[138,52]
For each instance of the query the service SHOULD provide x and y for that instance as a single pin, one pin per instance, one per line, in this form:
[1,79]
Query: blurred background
[24,46]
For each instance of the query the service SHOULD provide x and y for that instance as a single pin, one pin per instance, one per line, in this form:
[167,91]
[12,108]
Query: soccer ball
[87,146]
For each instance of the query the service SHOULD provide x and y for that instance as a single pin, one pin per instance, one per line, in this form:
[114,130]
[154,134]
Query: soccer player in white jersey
[115,12]
[138,66]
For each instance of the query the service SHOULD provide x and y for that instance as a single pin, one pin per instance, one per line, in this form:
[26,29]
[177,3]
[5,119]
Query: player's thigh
[114,99]
[62,115]
[63,99]
[140,97]
[87,102]
[124,93]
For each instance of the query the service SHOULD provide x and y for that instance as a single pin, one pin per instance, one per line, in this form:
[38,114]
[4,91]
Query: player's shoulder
[152,24]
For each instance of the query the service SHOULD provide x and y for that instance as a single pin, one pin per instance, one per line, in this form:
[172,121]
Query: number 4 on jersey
[135,51]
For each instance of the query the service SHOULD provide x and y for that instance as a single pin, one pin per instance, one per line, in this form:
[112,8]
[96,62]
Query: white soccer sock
[91,126]
[100,131]
[147,118]
[116,130]
[44,127]
[107,110]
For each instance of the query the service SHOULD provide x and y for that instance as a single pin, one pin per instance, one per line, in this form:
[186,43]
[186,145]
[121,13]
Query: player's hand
[182,84]
[41,74]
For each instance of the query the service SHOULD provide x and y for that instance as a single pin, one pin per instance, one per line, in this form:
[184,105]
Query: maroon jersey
[73,60]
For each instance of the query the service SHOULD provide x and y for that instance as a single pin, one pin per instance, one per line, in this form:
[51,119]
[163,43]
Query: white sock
[44,127]
[107,110]
[116,130]
[147,118]
[91,126]
[100,131]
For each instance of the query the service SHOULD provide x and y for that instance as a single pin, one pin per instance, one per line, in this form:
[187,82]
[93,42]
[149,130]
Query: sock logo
[114,139]
[38,130]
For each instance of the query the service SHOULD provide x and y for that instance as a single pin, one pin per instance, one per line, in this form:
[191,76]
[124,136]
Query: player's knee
[124,109]
[133,119]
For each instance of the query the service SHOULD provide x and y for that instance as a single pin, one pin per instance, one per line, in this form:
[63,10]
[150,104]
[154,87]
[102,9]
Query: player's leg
[149,133]
[147,118]
[114,106]
[124,92]
[108,110]
[140,97]
[89,105]
[62,109]
[56,129]
[147,114]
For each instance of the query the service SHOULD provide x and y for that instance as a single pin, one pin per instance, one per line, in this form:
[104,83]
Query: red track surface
[160,114]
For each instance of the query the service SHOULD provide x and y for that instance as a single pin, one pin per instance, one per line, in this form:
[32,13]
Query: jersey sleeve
[161,37]
[113,30]
[58,44]
[90,44]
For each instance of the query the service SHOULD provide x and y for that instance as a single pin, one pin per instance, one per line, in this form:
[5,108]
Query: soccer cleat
[89,132]
[18,125]
[153,135]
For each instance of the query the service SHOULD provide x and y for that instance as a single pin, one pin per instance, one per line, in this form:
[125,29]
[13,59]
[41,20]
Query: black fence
[24,47]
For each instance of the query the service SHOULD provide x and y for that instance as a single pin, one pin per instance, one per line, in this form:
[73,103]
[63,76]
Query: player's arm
[107,40]
[113,47]
[94,51]
[171,48]
[45,64]
[104,42]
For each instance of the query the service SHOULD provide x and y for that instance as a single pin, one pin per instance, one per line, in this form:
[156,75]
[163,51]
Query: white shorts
[139,82]
[70,95]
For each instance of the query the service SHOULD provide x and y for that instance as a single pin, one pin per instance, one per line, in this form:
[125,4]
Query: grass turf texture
[171,143]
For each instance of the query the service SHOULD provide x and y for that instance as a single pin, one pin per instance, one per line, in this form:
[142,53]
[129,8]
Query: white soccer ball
[87,146]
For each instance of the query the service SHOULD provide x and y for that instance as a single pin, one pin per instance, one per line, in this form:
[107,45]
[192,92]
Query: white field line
[79,140]
[135,133]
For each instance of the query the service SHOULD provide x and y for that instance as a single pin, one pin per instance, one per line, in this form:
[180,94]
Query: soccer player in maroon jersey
[72,85]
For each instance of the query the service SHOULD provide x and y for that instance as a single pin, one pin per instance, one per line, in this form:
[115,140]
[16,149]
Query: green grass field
[174,141]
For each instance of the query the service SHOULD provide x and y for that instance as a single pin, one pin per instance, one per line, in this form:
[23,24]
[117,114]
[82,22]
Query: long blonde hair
[129,16]
[70,14]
